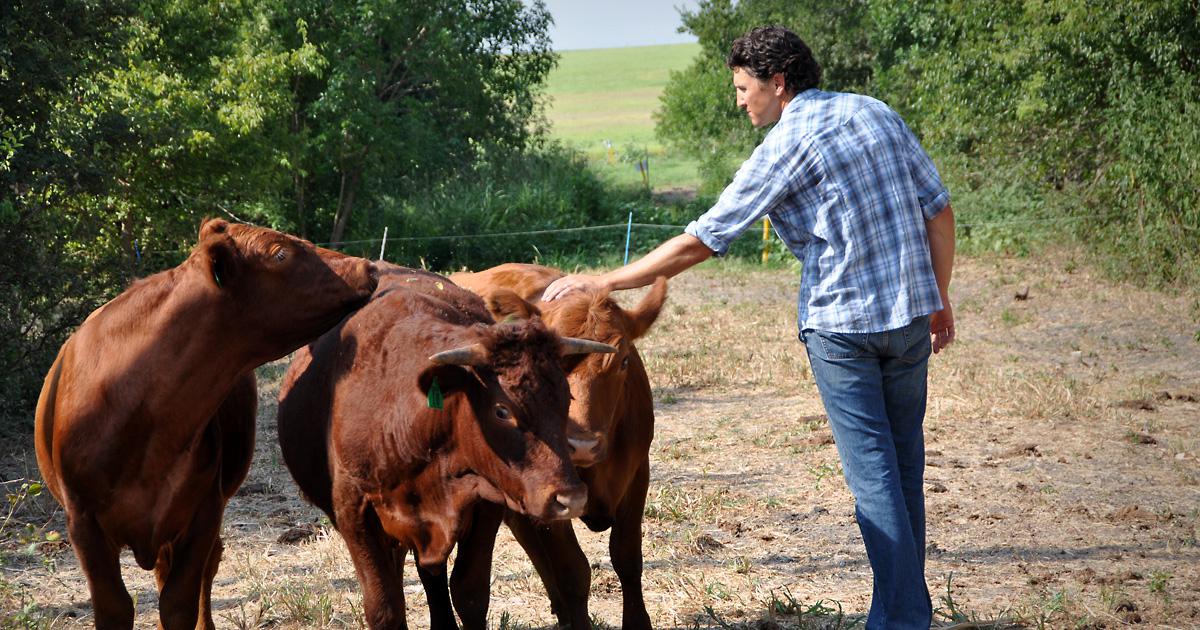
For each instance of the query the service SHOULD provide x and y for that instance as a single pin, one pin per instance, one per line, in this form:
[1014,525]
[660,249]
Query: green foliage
[699,113]
[410,93]
[502,192]
[1061,117]
[123,122]
[1095,105]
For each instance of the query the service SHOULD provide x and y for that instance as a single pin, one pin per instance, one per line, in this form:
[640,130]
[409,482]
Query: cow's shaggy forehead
[525,355]
[251,241]
[255,241]
[590,315]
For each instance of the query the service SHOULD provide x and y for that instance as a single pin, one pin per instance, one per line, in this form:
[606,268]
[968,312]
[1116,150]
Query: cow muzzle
[569,504]
[586,449]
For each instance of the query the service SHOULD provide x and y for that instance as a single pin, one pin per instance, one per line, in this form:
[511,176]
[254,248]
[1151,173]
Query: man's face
[761,99]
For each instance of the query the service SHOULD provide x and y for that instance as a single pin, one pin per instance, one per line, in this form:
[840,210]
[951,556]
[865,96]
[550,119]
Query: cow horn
[573,345]
[474,354]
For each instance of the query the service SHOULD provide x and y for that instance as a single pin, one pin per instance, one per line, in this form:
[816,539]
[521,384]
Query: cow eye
[503,413]
[281,254]
[625,363]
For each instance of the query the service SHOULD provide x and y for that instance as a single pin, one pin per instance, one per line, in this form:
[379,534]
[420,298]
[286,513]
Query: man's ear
[779,82]
[505,304]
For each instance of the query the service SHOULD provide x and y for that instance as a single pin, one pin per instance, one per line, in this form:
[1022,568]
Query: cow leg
[100,560]
[560,562]
[188,570]
[378,565]
[204,620]
[437,594]
[235,421]
[471,580]
[625,549]
[162,570]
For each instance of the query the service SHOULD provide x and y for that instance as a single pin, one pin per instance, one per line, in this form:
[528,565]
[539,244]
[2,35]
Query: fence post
[628,235]
[766,236]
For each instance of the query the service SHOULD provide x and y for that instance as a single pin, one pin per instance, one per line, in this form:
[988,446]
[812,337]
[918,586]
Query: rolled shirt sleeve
[931,192]
[757,188]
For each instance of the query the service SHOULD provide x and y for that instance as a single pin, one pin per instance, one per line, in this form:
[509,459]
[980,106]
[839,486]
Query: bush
[550,188]
[1047,119]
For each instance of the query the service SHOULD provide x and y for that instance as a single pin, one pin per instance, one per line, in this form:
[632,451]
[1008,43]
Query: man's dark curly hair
[768,50]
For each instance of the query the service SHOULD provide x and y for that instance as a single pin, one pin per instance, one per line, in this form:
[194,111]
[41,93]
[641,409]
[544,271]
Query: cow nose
[583,446]
[587,449]
[570,504]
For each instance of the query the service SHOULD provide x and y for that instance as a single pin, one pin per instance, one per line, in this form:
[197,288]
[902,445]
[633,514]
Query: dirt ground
[1063,487]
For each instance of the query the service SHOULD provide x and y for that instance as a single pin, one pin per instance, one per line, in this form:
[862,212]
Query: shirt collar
[806,95]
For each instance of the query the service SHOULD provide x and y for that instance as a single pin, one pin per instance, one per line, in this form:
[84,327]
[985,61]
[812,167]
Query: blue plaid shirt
[848,188]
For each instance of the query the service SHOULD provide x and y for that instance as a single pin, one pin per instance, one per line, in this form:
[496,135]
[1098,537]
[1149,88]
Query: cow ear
[211,226]
[643,316]
[450,378]
[222,261]
[504,304]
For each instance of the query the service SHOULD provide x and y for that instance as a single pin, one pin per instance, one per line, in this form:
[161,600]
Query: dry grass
[1063,486]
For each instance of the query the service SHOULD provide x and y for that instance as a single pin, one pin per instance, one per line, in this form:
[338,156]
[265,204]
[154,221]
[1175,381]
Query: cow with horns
[399,420]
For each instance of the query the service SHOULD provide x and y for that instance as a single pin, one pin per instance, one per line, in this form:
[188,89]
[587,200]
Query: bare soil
[1063,486]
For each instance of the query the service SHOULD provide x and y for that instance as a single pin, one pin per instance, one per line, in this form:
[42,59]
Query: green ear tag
[435,395]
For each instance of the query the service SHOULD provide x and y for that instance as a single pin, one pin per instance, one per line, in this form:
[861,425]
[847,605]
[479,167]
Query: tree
[409,92]
[1089,107]
[47,280]
[699,115]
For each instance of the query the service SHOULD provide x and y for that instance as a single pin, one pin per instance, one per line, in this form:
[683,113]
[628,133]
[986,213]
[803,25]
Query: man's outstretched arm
[668,259]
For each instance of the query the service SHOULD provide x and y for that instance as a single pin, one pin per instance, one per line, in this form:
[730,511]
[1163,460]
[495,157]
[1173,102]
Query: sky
[582,24]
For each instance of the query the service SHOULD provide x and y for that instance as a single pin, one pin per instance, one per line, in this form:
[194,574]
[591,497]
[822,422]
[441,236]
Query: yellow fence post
[766,236]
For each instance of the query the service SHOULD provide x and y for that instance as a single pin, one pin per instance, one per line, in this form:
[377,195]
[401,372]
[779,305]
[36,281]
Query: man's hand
[941,328]
[667,259]
[567,284]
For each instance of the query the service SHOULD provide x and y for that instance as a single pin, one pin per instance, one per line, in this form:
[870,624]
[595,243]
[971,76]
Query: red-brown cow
[363,436]
[611,427]
[145,425]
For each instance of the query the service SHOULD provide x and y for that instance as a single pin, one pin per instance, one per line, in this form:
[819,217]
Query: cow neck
[187,338]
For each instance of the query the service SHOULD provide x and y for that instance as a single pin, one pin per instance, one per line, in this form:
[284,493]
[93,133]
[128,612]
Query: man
[854,196]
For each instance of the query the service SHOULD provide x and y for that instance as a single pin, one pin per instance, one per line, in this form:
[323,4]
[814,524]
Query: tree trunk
[345,203]
[301,222]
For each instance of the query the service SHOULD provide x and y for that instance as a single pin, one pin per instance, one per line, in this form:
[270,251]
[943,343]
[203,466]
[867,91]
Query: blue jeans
[873,386]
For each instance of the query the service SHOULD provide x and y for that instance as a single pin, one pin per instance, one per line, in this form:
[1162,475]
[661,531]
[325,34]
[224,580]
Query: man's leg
[849,374]
[905,373]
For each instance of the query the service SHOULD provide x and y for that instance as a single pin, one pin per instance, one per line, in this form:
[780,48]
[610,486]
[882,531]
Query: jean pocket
[841,345]
[917,344]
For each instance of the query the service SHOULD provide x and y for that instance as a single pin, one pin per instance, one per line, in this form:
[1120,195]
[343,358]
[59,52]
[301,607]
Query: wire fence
[592,243]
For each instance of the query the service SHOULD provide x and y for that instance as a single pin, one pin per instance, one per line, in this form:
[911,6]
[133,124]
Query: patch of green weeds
[950,611]
[1010,317]
[301,604]
[1160,582]
[680,504]
[825,471]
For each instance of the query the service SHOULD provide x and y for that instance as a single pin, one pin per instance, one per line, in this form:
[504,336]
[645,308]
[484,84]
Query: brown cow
[366,442]
[145,425]
[611,427]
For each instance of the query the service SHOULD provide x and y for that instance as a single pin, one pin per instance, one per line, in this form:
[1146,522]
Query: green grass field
[609,95]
